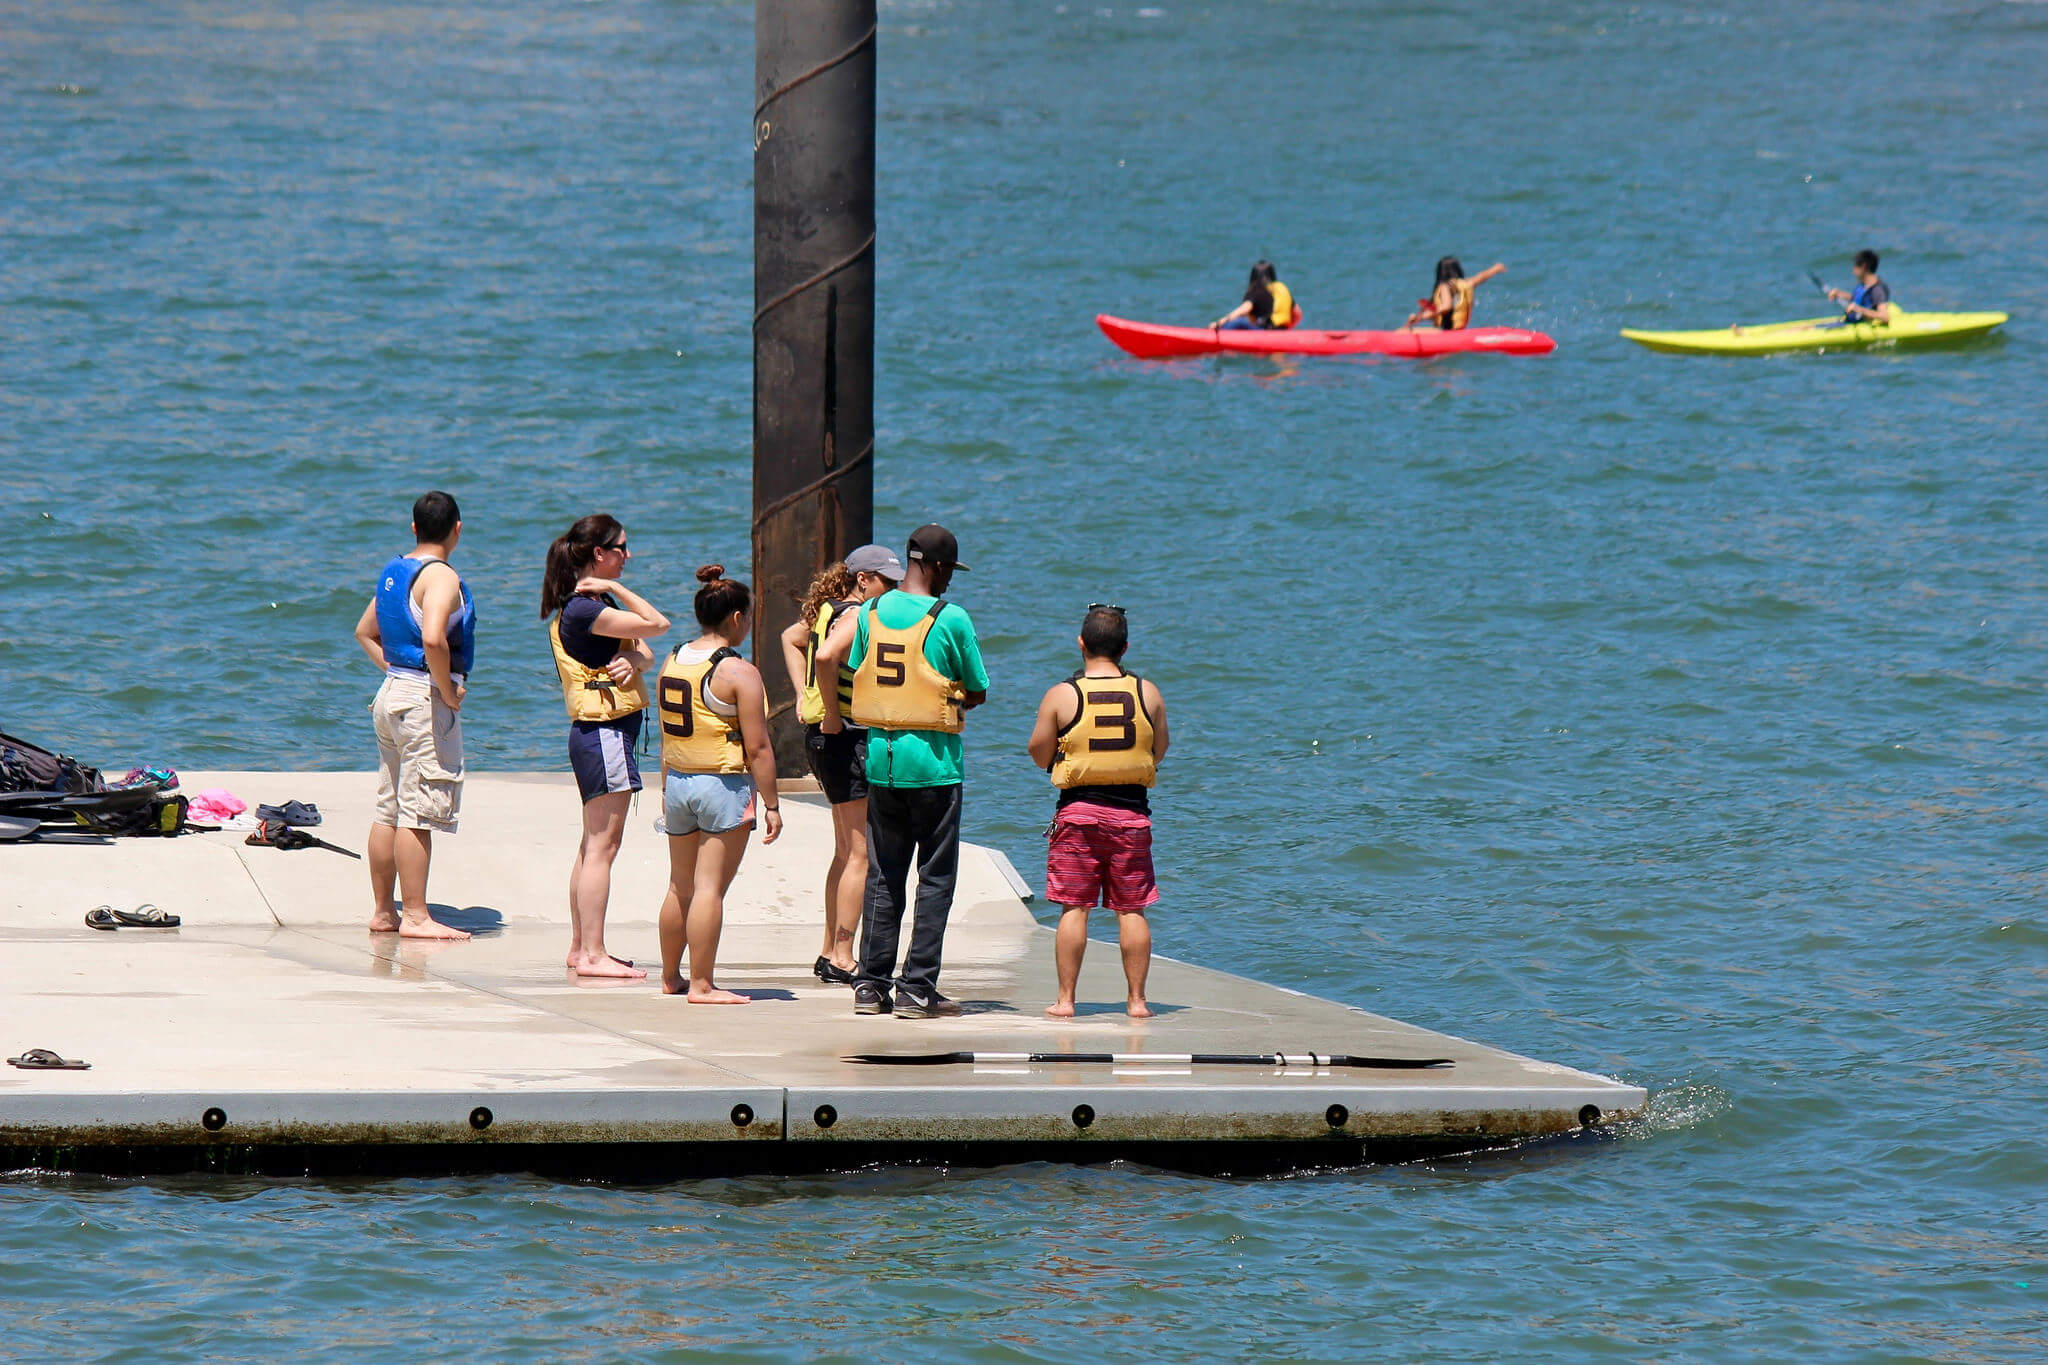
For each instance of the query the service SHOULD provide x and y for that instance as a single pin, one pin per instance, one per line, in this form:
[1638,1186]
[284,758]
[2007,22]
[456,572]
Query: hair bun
[711,573]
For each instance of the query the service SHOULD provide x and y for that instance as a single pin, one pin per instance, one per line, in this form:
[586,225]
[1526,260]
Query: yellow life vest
[1461,303]
[1108,743]
[896,687]
[695,738]
[810,708]
[1284,314]
[590,693]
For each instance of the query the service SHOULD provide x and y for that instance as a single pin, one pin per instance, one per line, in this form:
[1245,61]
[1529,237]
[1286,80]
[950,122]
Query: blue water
[1673,718]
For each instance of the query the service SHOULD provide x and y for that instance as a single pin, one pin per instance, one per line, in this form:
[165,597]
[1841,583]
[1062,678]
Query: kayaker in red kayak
[1449,304]
[1268,304]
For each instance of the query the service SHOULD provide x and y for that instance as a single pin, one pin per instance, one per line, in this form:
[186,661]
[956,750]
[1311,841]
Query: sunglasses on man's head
[1107,606]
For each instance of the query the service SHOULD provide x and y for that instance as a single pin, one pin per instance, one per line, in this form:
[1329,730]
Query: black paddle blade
[1393,1063]
[910,1059]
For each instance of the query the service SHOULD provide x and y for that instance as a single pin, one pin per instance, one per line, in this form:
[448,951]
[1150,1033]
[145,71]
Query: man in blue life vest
[916,671]
[420,629]
[1872,299]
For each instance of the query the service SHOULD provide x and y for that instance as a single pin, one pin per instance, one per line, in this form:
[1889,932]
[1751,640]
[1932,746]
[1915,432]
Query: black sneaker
[910,1005]
[870,999]
[831,973]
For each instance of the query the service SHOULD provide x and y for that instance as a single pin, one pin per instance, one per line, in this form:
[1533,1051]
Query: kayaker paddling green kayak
[1869,318]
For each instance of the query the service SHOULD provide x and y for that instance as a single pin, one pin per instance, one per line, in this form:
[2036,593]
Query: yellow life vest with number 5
[1108,743]
[695,738]
[896,687]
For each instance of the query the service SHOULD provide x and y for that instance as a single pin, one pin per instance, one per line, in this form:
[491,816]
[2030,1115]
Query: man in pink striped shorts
[1101,734]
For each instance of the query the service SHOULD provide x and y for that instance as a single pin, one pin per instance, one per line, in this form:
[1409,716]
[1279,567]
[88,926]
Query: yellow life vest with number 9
[1108,743]
[1283,315]
[695,738]
[590,693]
[810,708]
[896,687]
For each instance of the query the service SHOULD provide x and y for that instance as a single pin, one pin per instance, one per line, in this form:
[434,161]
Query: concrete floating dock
[272,1032]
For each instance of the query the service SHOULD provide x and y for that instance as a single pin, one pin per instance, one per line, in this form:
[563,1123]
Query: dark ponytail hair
[720,596]
[1448,269]
[569,558]
[1255,291]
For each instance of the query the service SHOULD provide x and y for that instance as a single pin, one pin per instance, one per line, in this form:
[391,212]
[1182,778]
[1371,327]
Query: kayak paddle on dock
[1279,1059]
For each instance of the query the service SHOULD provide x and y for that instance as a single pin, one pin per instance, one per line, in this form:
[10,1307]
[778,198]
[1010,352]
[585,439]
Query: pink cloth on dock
[216,805]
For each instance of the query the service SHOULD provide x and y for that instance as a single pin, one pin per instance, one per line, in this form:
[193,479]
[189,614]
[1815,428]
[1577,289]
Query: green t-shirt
[922,758]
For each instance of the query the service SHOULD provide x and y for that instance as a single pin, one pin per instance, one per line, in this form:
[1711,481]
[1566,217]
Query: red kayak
[1150,341]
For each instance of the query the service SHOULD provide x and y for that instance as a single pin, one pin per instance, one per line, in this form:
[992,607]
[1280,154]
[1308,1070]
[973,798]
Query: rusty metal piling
[814,313]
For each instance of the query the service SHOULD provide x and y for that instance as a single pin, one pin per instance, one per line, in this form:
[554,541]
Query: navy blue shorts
[601,752]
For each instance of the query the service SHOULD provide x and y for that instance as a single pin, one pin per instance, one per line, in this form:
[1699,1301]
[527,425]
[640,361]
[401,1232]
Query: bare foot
[715,996]
[604,964]
[383,924]
[1060,1009]
[429,928]
[672,985]
[1137,1009]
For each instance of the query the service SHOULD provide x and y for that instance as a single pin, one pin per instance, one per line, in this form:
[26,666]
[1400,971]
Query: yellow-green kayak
[1821,334]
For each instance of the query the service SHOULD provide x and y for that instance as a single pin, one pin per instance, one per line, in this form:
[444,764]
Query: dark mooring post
[814,314]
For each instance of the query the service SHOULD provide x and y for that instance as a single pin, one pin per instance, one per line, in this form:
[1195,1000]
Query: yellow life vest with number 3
[1108,743]
[896,687]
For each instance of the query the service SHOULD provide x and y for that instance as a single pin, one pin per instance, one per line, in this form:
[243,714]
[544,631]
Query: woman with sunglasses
[597,631]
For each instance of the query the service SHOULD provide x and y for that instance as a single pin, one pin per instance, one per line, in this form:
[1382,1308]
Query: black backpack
[26,767]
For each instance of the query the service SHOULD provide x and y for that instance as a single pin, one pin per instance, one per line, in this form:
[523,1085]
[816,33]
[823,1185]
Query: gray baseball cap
[876,559]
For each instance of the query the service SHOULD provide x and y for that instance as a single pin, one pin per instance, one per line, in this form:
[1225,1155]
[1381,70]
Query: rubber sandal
[291,813]
[147,916]
[101,917]
[42,1059]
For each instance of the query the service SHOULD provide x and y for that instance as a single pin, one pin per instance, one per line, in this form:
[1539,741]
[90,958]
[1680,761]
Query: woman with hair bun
[716,764]
[598,636]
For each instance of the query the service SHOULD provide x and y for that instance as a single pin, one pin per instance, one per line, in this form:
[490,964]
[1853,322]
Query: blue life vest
[1866,296]
[403,647]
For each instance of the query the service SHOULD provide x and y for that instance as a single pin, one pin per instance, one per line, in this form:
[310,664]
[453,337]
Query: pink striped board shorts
[1090,864]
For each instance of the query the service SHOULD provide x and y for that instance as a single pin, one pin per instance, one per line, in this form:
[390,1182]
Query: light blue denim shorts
[707,803]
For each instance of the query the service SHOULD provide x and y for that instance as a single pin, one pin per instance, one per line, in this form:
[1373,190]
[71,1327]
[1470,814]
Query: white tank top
[690,654]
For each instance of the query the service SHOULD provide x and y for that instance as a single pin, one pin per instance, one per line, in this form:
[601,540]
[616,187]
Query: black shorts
[839,762]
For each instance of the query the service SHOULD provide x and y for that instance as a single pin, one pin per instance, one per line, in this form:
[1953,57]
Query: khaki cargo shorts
[419,740]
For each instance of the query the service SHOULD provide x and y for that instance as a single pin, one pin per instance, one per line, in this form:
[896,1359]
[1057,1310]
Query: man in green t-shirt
[914,774]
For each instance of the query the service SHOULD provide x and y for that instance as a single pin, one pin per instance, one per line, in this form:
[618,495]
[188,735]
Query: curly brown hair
[834,583]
